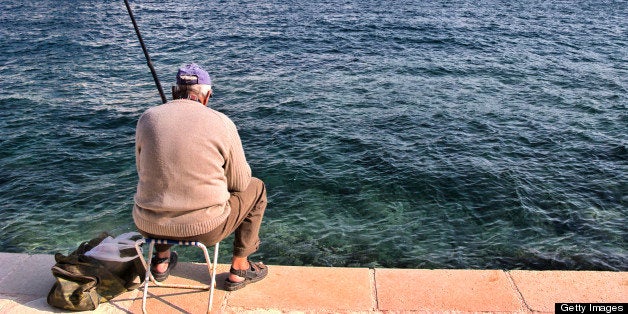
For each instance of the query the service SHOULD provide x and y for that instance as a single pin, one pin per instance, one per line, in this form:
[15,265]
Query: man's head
[193,83]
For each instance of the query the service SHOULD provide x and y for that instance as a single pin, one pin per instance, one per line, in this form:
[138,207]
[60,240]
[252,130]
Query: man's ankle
[240,263]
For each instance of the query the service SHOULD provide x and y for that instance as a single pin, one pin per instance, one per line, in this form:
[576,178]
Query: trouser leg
[251,204]
[245,219]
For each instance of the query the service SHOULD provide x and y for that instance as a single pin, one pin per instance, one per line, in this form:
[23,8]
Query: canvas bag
[82,282]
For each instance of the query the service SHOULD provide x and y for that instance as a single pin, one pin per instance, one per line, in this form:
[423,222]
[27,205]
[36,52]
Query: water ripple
[434,135]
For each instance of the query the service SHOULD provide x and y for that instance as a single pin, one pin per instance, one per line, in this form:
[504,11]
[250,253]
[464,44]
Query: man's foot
[161,267]
[238,278]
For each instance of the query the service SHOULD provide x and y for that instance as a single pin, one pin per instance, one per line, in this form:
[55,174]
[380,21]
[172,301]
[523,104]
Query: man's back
[188,158]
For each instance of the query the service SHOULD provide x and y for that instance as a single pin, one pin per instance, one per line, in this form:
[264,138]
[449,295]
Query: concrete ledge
[446,290]
[542,289]
[26,279]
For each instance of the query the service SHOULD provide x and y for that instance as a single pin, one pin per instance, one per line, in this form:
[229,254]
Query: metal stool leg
[211,267]
[148,276]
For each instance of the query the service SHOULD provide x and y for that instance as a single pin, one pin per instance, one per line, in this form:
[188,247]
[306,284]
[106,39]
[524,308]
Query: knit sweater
[188,158]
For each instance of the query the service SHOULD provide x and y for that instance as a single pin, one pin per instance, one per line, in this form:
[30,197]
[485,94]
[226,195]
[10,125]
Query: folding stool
[211,267]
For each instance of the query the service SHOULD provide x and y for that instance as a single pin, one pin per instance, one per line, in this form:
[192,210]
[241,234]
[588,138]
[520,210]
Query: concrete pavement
[290,289]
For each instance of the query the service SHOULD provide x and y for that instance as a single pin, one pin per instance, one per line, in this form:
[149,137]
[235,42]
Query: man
[194,181]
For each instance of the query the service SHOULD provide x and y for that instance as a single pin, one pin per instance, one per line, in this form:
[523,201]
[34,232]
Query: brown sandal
[172,262]
[256,272]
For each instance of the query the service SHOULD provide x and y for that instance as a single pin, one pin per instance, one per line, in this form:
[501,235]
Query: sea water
[407,134]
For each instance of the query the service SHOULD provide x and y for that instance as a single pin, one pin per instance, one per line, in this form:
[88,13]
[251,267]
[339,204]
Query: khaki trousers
[245,219]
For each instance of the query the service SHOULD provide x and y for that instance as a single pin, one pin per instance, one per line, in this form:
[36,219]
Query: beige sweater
[189,158]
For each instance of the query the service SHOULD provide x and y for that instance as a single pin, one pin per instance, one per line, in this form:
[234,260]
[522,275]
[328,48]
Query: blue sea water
[423,134]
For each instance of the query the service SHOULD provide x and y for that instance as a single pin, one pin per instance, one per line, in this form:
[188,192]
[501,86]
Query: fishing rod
[150,63]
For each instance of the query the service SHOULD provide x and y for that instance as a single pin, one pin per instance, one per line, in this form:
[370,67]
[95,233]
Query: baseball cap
[193,74]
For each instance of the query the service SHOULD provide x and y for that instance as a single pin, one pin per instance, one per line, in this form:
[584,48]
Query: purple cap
[193,74]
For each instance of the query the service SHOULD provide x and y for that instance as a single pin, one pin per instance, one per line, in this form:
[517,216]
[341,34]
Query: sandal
[256,272]
[172,262]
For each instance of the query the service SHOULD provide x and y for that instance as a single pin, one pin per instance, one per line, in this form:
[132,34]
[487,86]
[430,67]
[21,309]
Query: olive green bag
[83,282]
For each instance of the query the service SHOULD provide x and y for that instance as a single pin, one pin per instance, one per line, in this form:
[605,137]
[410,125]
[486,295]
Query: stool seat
[211,267]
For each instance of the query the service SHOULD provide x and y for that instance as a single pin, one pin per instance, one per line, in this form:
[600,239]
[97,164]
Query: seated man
[194,181]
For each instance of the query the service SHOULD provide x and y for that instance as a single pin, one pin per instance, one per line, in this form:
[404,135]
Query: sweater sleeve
[237,170]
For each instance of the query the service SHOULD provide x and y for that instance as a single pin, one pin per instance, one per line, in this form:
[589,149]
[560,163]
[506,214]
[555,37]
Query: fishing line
[150,63]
